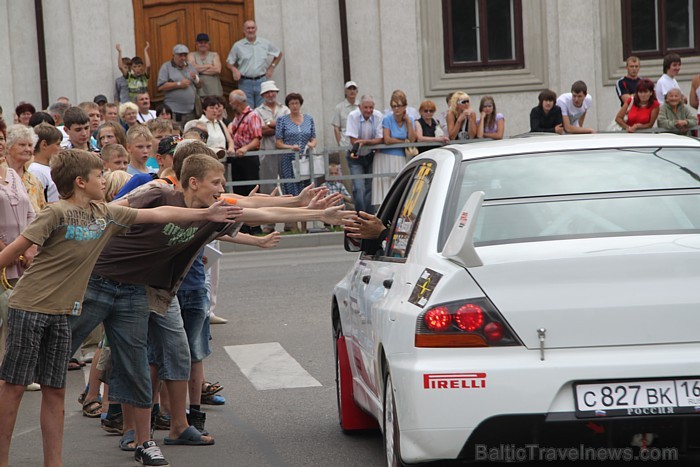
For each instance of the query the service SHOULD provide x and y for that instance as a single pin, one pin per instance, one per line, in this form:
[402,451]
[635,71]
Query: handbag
[303,167]
[411,151]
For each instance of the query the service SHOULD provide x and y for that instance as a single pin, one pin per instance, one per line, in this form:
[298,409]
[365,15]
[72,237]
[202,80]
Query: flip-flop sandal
[128,438]
[75,364]
[213,400]
[189,437]
[92,409]
[209,389]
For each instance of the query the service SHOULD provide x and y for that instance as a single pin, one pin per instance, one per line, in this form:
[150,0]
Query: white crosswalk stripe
[269,366]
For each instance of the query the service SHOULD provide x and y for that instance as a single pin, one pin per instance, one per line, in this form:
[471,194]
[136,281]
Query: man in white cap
[250,63]
[340,116]
[269,111]
[179,81]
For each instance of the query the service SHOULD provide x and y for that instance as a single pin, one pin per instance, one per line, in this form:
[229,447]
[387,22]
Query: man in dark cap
[208,65]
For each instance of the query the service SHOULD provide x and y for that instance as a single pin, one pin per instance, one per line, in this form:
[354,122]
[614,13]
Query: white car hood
[596,292]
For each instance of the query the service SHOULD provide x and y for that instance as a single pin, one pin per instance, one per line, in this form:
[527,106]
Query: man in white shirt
[143,102]
[364,128]
[574,106]
[667,81]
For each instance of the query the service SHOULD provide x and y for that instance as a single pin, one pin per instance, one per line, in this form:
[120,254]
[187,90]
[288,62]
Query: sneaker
[213,319]
[149,454]
[113,424]
[32,387]
[161,421]
[197,420]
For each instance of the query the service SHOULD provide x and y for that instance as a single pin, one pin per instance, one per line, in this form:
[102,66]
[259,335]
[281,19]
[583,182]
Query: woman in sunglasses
[461,119]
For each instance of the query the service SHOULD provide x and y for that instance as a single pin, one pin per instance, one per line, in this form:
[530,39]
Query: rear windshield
[510,214]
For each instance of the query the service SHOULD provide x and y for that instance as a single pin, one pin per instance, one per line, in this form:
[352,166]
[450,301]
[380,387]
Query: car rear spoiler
[459,247]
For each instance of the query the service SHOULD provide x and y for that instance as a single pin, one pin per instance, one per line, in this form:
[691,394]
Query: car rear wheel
[391,426]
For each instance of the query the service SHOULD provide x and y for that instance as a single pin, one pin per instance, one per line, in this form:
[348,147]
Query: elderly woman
[24,112]
[675,116]
[398,127]
[296,132]
[20,149]
[427,127]
[128,113]
[219,136]
[461,119]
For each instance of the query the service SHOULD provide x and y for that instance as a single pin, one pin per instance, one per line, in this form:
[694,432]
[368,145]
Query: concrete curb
[293,241]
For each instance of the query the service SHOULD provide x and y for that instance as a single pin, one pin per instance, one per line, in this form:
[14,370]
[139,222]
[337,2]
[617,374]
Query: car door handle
[366,279]
[388,283]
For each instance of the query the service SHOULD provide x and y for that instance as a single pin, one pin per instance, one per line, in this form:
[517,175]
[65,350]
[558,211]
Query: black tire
[392,435]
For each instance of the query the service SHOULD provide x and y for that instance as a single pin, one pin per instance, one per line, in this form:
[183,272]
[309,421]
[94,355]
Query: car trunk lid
[596,292]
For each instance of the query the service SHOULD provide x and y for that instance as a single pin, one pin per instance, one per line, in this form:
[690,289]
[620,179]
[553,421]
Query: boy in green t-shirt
[71,233]
[137,75]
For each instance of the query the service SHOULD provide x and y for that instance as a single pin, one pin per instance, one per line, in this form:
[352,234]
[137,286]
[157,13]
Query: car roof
[549,143]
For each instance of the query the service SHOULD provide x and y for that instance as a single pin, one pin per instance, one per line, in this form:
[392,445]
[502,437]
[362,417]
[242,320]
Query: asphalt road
[270,296]
[277,303]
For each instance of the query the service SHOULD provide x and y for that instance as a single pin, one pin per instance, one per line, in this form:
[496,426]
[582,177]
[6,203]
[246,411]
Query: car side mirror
[353,245]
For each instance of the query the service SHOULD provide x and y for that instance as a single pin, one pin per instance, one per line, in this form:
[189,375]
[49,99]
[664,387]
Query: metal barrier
[340,150]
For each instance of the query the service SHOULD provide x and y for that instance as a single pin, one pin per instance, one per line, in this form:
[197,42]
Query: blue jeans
[194,306]
[123,309]
[251,88]
[167,344]
[361,187]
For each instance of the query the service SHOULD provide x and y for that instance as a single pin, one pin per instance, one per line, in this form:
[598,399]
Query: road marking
[269,366]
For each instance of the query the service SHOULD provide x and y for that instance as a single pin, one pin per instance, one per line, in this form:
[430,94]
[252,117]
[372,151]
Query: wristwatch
[179,83]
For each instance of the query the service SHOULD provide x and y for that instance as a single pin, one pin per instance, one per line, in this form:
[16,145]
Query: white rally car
[533,290]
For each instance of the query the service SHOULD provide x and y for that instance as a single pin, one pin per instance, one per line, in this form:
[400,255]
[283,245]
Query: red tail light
[469,317]
[472,323]
[438,319]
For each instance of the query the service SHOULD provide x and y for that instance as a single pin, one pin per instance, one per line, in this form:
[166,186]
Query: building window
[482,34]
[653,28]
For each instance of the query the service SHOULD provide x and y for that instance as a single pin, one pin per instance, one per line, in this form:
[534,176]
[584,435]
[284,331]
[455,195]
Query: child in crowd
[139,142]
[136,75]
[71,233]
[111,111]
[574,105]
[121,87]
[47,146]
[115,158]
[489,123]
[336,186]
[110,132]
[114,181]
[160,128]
[77,127]
[546,117]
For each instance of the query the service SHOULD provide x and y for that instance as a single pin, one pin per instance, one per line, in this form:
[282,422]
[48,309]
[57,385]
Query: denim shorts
[123,308]
[39,350]
[167,344]
[194,306]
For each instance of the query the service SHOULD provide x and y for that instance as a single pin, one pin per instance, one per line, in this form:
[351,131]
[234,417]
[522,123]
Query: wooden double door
[165,23]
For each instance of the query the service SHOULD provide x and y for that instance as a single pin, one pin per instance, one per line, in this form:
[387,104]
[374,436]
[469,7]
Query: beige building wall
[392,45]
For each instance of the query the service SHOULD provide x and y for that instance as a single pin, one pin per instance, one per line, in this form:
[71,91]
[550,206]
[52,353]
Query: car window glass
[408,216]
[586,178]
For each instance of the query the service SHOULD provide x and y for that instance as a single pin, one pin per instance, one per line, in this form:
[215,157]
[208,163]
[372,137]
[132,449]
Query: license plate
[637,398]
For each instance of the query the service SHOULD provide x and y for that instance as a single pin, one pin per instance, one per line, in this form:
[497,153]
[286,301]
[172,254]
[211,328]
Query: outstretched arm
[217,212]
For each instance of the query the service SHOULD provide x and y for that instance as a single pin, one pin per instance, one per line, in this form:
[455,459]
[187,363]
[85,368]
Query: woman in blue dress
[296,132]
